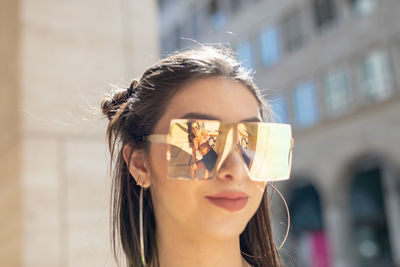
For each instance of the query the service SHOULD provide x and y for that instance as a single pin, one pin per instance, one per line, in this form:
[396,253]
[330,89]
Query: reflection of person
[222,221]
[199,140]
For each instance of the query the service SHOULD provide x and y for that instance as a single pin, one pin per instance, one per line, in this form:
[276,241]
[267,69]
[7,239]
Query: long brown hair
[133,114]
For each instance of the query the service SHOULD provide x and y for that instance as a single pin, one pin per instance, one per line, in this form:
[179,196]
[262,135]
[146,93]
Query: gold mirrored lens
[192,149]
[197,148]
[269,151]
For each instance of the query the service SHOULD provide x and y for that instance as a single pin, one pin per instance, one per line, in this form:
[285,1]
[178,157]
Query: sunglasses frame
[163,139]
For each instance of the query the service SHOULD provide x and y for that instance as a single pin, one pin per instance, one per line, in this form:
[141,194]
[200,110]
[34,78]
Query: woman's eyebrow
[199,116]
[202,116]
[253,119]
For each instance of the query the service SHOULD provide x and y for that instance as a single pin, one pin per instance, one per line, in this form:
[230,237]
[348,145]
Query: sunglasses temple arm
[157,138]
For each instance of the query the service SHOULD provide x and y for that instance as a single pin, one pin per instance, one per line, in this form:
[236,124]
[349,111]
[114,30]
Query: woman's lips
[231,201]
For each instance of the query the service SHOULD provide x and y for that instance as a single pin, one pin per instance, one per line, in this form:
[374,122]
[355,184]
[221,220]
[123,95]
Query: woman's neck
[177,249]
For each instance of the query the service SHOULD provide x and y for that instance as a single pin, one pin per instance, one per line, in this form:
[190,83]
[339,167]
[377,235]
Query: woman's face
[186,204]
[195,128]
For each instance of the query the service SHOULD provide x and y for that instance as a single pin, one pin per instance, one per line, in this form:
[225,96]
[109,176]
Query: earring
[287,212]
[141,227]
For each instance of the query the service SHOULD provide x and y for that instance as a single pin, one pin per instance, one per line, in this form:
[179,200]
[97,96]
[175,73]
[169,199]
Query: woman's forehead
[222,98]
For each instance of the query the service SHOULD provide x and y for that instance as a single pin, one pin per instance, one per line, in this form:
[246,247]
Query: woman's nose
[233,169]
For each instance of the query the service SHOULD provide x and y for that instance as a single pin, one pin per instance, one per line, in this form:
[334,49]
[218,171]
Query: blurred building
[58,58]
[331,68]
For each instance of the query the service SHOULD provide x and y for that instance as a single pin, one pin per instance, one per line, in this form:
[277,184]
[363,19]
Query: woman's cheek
[259,189]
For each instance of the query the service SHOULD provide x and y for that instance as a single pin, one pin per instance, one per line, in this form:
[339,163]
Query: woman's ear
[137,165]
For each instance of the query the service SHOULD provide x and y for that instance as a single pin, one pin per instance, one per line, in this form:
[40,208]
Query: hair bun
[110,105]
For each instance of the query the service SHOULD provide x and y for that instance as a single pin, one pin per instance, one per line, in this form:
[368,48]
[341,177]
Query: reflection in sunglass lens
[272,152]
[192,145]
[197,148]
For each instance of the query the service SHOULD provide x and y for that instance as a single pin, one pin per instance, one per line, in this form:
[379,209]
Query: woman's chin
[222,230]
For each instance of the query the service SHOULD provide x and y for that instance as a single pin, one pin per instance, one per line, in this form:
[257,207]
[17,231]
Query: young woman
[161,215]
[199,140]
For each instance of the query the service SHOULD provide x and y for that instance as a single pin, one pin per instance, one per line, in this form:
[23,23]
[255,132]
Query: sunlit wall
[61,56]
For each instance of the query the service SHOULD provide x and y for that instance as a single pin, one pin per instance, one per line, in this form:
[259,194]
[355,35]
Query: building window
[246,55]
[280,109]
[293,31]
[362,7]
[178,35]
[369,218]
[336,86]
[397,61]
[236,5]
[308,242]
[162,4]
[375,77]
[192,25]
[306,105]
[167,44]
[216,17]
[324,13]
[270,50]
[171,42]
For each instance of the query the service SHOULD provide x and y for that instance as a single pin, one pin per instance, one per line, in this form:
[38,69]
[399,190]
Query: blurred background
[330,68]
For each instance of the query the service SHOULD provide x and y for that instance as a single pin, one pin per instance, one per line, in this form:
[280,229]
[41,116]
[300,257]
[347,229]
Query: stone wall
[10,156]
[54,186]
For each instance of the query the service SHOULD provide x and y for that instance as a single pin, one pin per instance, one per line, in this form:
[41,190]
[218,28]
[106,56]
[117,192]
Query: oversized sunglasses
[196,149]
